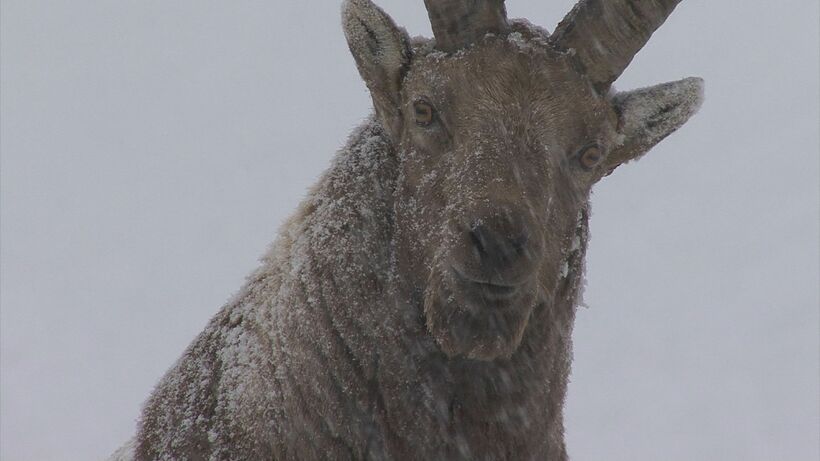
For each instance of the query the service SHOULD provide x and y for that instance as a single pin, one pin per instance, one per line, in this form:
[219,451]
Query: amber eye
[425,114]
[590,157]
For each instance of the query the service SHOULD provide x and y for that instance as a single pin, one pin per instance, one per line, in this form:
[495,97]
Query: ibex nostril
[478,239]
[498,244]
[520,242]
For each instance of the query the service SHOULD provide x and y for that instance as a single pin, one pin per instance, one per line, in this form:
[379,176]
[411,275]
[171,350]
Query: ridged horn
[458,23]
[607,34]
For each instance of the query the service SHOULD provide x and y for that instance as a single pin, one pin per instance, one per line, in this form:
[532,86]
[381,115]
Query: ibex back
[420,303]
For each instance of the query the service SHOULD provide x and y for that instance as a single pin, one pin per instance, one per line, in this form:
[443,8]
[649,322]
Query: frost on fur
[381,51]
[649,115]
[419,304]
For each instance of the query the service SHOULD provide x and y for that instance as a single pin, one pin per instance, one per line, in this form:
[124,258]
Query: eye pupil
[424,113]
[590,157]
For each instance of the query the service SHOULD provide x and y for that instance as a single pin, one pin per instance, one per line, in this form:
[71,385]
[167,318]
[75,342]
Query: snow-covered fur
[320,357]
[420,302]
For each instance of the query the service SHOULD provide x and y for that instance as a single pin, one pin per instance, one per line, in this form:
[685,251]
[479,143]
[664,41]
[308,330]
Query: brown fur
[373,329]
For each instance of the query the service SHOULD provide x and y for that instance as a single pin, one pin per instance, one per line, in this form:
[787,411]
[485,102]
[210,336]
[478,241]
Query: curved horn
[458,23]
[607,34]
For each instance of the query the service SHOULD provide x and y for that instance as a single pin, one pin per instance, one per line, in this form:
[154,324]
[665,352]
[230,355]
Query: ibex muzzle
[498,248]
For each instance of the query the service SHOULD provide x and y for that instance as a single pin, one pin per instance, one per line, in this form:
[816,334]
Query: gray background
[151,149]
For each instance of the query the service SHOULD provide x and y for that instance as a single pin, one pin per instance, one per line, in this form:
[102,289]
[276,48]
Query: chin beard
[464,327]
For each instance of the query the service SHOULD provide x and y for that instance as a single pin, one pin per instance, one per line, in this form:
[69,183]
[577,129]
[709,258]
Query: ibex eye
[425,114]
[590,157]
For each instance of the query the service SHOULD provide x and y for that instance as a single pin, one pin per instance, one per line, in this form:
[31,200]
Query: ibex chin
[419,304]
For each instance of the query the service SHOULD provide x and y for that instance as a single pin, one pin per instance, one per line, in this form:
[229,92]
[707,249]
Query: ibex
[419,305]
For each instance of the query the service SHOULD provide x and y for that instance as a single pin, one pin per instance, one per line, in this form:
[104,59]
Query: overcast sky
[150,150]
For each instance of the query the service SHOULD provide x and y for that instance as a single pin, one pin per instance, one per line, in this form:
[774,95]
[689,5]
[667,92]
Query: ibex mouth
[475,318]
[486,290]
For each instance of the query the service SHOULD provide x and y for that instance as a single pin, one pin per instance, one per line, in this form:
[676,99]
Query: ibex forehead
[507,80]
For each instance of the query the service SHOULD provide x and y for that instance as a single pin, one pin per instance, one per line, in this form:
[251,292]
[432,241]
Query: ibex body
[420,303]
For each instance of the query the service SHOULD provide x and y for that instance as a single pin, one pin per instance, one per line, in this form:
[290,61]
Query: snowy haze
[151,149]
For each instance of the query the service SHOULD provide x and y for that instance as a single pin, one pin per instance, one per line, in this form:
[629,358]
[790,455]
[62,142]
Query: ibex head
[501,130]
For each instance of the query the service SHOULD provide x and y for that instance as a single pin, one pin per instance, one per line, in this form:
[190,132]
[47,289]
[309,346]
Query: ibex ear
[648,115]
[382,52]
